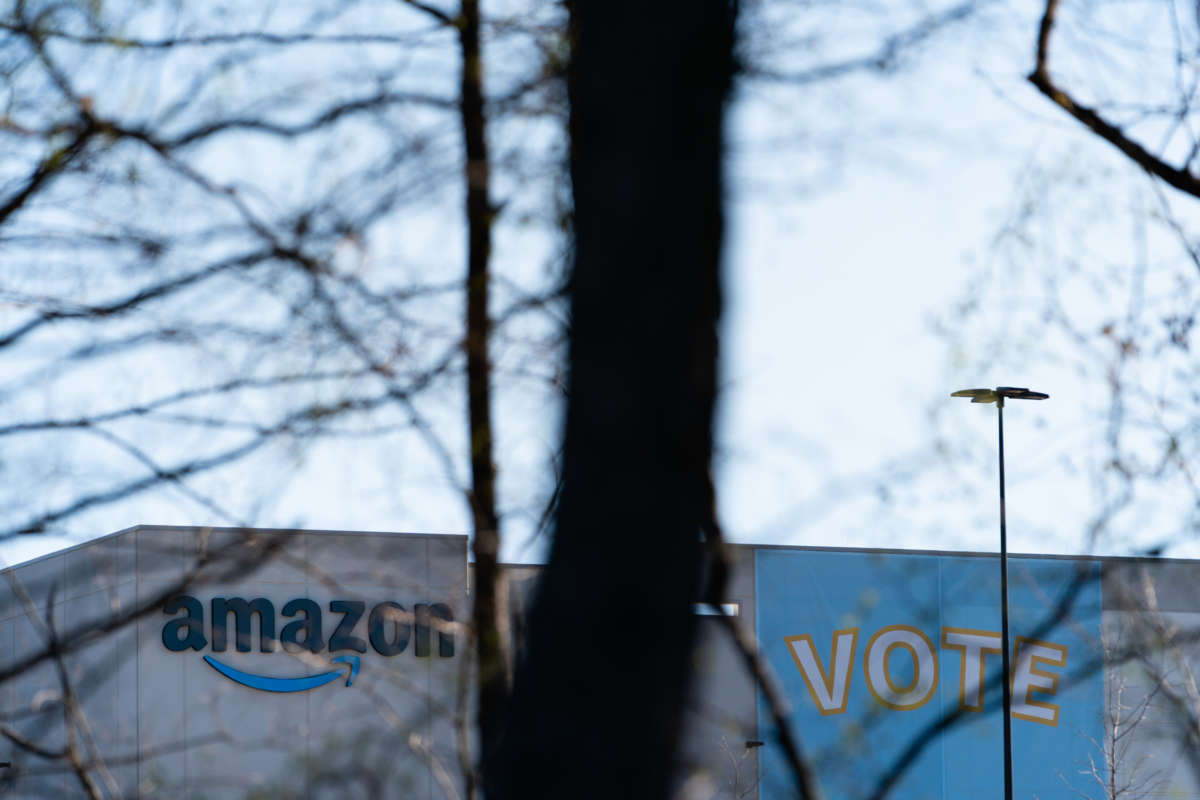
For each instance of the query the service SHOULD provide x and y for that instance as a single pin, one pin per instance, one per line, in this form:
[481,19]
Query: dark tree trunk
[598,700]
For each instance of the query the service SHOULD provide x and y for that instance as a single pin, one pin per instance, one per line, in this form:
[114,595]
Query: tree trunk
[598,700]
[490,658]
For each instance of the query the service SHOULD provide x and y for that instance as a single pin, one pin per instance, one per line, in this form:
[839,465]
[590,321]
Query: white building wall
[166,724]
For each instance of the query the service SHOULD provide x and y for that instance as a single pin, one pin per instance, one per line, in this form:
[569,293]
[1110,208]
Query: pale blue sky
[860,211]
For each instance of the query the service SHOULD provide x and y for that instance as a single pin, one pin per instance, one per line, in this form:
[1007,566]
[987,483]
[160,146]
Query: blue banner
[891,663]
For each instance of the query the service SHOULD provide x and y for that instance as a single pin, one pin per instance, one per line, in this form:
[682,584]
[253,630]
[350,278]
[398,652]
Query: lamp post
[998,396]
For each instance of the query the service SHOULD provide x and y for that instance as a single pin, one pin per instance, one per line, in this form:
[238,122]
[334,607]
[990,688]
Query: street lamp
[998,396]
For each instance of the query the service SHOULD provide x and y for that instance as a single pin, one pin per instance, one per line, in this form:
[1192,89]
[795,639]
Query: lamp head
[998,394]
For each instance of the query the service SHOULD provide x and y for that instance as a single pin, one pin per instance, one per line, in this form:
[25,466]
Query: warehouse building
[210,663]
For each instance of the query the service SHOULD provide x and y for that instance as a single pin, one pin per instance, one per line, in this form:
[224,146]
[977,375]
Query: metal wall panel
[164,723]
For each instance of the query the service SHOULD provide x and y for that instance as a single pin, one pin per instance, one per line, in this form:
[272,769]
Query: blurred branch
[174,474]
[215,39]
[370,103]
[51,166]
[884,59]
[27,744]
[1179,178]
[74,721]
[488,615]
[135,300]
[749,648]
[227,563]
[435,12]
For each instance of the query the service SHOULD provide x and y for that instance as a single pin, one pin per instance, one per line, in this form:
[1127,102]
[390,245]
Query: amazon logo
[391,628]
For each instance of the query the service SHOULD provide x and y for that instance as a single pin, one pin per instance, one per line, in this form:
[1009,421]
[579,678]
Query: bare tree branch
[749,648]
[1177,177]
[488,616]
